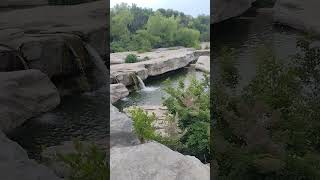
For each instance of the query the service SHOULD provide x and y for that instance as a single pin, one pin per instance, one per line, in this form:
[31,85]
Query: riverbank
[151,64]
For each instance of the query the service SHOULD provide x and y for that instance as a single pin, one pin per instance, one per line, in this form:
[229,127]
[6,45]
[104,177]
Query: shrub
[131,58]
[191,106]
[87,163]
[142,124]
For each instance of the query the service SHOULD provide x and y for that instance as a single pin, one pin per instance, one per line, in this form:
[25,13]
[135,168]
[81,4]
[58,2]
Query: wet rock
[223,10]
[126,73]
[23,95]
[301,15]
[15,164]
[154,161]
[203,64]
[121,129]
[117,92]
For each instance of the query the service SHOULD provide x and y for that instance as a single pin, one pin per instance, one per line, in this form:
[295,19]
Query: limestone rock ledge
[117,92]
[154,161]
[156,63]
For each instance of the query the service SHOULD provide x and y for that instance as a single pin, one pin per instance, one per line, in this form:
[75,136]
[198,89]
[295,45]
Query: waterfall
[96,58]
[141,83]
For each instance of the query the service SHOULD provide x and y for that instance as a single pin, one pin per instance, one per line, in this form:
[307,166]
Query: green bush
[188,37]
[191,106]
[131,58]
[142,124]
[87,163]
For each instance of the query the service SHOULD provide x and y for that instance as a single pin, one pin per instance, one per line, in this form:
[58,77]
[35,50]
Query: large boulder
[117,92]
[121,129]
[23,95]
[301,15]
[154,161]
[203,64]
[226,9]
[15,164]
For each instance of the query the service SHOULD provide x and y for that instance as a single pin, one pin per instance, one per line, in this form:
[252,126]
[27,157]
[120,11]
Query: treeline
[142,29]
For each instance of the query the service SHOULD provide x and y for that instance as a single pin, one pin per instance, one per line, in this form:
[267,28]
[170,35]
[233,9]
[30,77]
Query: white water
[141,83]
[149,89]
[96,58]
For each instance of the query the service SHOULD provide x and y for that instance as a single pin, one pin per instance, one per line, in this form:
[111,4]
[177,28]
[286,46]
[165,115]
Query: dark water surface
[79,116]
[249,32]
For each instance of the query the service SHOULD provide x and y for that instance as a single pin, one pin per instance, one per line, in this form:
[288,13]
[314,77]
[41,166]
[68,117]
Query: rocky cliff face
[301,15]
[226,9]
[57,47]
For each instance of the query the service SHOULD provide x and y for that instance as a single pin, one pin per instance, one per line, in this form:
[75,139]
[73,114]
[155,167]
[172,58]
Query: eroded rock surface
[226,9]
[15,164]
[117,92]
[23,95]
[301,15]
[154,161]
[203,64]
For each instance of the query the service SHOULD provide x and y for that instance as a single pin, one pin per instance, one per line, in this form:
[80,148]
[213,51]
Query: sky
[190,7]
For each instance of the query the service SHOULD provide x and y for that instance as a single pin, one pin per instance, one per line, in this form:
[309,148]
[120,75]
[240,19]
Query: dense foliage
[271,129]
[140,29]
[190,105]
[87,163]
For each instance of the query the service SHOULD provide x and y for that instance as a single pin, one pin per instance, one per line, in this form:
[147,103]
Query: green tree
[164,28]
[188,37]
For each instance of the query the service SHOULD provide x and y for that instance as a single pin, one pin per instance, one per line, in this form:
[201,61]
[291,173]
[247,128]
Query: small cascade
[96,59]
[141,83]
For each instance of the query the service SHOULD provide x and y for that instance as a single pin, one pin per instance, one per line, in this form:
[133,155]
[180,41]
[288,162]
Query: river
[247,33]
